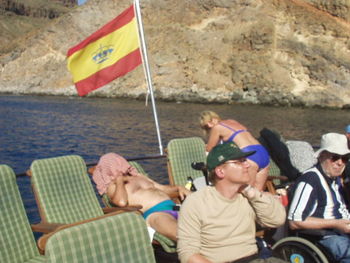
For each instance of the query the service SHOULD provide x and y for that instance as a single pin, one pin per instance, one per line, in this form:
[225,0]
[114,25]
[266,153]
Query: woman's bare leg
[257,178]
[261,178]
[252,170]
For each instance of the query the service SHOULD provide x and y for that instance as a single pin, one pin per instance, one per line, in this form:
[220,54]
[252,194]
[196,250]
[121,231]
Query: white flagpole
[147,70]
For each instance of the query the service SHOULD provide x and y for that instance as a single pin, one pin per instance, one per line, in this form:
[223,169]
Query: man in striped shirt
[317,201]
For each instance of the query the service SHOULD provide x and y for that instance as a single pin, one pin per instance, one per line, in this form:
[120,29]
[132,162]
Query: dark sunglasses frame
[336,157]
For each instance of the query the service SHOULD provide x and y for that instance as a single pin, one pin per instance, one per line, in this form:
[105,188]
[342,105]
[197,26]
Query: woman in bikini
[221,131]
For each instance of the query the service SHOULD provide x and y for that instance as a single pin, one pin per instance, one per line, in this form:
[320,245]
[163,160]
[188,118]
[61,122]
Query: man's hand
[183,192]
[120,180]
[248,191]
[343,225]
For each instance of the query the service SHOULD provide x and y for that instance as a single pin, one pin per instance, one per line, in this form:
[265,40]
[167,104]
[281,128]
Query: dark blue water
[34,127]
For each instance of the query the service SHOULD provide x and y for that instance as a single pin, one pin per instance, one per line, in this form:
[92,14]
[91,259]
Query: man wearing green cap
[218,223]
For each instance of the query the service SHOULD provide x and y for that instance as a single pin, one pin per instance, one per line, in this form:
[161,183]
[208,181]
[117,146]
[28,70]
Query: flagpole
[147,70]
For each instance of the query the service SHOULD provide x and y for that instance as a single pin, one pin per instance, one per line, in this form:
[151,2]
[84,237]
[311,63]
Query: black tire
[296,249]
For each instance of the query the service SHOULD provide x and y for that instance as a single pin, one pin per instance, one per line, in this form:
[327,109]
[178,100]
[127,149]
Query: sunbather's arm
[117,193]
[214,138]
[174,191]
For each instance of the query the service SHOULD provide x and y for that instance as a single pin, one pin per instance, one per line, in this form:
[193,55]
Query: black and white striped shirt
[317,195]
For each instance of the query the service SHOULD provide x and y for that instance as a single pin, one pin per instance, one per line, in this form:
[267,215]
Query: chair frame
[46,227]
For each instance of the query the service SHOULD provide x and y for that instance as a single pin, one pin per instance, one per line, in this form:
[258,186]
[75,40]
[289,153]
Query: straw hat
[334,143]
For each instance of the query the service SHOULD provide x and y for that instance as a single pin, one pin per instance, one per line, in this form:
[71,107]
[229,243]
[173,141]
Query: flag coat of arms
[107,54]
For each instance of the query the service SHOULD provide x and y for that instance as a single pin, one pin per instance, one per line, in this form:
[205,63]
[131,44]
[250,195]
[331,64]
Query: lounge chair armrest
[91,170]
[45,227]
[43,239]
[279,177]
[174,196]
[29,173]
[108,210]
[260,233]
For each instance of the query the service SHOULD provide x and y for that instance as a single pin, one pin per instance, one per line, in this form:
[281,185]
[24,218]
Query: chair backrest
[119,238]
[138,167]
[274,170]
[181,153]
[301,154]
[17,243]
[63,190]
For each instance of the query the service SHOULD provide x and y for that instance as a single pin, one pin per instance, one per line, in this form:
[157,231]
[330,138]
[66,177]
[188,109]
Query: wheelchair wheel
[298,250]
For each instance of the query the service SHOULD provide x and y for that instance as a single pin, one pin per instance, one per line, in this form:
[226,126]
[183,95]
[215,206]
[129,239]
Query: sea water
[35,127]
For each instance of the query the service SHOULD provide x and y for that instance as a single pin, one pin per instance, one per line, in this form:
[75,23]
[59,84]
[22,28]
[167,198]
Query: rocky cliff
[279,52]
[21,17]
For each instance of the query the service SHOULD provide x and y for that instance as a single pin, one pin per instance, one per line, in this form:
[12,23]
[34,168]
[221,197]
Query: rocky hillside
[279,52]
[21,17]
[37,8]
[339,8]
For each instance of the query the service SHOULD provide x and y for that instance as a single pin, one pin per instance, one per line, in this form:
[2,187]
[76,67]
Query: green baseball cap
[224,152]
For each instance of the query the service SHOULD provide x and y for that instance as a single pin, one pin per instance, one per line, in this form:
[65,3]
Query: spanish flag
[107,54]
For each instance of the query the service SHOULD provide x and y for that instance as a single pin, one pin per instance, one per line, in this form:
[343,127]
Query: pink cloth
[108,168]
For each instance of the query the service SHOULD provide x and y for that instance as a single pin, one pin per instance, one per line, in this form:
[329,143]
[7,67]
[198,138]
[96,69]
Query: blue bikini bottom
[261,157]
[166,206]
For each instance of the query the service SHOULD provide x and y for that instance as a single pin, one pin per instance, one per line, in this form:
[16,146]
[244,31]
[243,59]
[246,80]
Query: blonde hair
[207,116]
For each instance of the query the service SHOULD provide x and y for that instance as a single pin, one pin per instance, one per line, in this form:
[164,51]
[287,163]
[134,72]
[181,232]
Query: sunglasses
[240,161]
[336,157]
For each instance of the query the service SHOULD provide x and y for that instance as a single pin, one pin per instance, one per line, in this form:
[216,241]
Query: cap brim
[244,154]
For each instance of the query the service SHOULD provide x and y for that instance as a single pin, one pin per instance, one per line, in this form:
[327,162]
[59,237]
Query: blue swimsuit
[165,206]
[261,157]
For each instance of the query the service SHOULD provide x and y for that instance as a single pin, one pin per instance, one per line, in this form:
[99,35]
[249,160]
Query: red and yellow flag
[107,54]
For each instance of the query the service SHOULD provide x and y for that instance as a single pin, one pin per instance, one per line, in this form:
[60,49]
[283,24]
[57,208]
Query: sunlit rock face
[339,8]
[278,52]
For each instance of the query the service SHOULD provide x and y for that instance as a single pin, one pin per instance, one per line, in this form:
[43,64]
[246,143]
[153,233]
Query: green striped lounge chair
[167,244]
[181,152]
[17,243]
[118,238]
[273,178]
[63,190]
[275,172]
[65,194]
